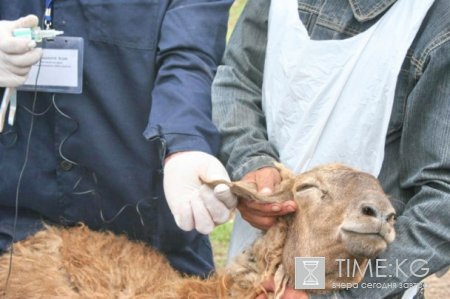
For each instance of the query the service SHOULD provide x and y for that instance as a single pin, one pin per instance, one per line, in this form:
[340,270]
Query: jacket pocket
[126,23]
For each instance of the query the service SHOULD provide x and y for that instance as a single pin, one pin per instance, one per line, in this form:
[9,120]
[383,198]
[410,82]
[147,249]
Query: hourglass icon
[310,273]
[310,279]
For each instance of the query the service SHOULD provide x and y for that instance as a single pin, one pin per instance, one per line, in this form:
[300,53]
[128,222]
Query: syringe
[37,34]
[10,95]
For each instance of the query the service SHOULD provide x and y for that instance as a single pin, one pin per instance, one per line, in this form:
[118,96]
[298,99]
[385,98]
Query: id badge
[61,67]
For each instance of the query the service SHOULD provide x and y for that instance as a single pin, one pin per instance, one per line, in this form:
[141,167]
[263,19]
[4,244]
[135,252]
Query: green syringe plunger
[37,34]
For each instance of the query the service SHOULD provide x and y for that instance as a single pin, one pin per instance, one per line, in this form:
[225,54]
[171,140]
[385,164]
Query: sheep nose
[370,211]
[391,217]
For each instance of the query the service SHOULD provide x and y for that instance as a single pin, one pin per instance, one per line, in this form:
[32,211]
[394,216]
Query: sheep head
[343,214]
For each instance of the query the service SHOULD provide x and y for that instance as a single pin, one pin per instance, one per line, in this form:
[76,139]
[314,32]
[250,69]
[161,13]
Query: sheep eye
[304,187]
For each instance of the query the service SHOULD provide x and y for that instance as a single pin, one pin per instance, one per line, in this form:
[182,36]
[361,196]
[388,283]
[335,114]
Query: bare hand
[289,293]
[263,216]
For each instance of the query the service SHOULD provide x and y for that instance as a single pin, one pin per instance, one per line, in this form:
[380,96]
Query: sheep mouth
[369,234]
[364,243]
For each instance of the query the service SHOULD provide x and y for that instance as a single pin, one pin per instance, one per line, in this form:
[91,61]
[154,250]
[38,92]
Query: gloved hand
[17,55]
[193,204]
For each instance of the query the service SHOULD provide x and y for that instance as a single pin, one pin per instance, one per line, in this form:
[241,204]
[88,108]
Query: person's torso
[88,159]
[342,19]
[87,151]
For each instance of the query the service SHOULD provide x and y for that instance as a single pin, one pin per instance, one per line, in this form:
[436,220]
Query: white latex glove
[17,55]
[193,204]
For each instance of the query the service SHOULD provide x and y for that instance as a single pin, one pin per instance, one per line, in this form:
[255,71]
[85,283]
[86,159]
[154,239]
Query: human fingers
[202,219]
[266,179]
[223,193]
[216,208]
[256,220]
[13,45]
[268,209]
[12,80]
[28,21]
[289,293]
[25,60]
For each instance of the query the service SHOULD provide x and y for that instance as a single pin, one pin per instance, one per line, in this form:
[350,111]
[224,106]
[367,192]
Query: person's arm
[422,245]
[238,114]
[237,92]
[190,46]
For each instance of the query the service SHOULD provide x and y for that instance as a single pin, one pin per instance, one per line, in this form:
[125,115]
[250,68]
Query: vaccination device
[10,95]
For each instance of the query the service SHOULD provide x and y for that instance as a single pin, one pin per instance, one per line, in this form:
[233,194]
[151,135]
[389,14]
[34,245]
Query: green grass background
[235,12]
[221,234]
[220,237]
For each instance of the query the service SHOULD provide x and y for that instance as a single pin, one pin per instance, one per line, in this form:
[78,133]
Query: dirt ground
[437,288]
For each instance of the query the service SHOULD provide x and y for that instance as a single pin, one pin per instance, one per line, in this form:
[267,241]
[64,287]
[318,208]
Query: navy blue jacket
[97,157]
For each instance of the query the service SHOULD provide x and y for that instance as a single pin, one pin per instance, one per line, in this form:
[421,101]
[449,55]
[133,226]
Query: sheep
[343,214]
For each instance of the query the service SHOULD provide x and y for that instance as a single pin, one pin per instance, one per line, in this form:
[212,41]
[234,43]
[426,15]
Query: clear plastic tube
[37,34]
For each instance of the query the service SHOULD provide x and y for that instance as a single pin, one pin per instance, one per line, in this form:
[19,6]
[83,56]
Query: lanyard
[48,14]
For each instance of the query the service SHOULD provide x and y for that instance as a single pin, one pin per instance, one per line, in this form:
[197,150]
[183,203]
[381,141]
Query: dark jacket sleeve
[191,44]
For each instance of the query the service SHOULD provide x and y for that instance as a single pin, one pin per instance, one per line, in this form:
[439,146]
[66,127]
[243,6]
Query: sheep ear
[286,174]
[248,190]
[282,192]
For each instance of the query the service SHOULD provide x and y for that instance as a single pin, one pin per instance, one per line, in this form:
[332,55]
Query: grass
[235,12]
[220,236]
